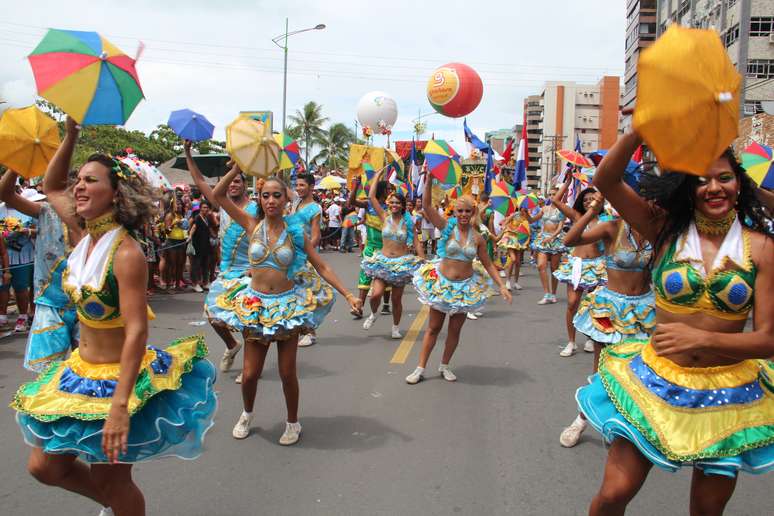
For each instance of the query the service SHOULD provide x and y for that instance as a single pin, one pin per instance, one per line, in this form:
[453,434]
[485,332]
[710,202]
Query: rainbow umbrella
[454,193]
[290,152]
[501,198]
[401,188]
[443,162]
[350,221]
[584,176]
[575,157]
[522,233]
[527,201]
[757,160]
[86,76]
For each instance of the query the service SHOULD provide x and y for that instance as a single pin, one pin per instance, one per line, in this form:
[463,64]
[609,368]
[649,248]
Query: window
[753,107]
[760,68]
[730,3]
[761,25]
[731,35]
[647,28]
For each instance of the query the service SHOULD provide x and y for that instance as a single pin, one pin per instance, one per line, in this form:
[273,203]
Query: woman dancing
[699,392]
[585,269]
[393,264]
[114,401]
[550,248]
[450,285]
[622,309]
[514,239]
[278,300]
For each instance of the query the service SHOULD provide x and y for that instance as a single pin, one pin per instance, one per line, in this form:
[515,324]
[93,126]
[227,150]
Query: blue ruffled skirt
[269,317]
[54,332]
[555,246]
[393,271]
[582,273]
[171,408]
[608,317]
[452,296]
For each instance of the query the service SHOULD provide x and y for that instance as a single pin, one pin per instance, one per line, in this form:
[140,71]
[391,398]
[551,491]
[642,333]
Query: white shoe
[292,434]
[416,377]
[546,299]
[238,379]
[369,321]
[478,314]
[242,428]
[396,333]
[553,299]
[472,316]
[106,511]
[508,284]
[572,434]
[447,373]
[502,274]
[228,358]
[307,340]
[569,350]
[197,288]
[588,346]
[517,286]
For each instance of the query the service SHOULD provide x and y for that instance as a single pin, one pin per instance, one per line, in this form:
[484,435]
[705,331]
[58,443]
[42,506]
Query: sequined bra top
[401,232]
[262,254]
[627,255]
[682,285]
[553,215]
[91,284]
[451,247]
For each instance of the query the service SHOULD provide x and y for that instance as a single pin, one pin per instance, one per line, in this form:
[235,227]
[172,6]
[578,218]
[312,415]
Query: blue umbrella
[190,125]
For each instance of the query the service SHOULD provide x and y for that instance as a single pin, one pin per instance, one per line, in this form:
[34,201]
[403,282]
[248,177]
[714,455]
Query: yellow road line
[404,349]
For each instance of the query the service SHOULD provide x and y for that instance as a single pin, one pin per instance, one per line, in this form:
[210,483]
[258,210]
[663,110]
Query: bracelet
[348,296]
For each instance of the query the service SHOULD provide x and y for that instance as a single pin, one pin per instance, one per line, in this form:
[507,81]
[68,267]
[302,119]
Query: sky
[217,58]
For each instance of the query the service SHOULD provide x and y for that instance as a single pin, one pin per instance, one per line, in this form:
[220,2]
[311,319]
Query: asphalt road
[373,445]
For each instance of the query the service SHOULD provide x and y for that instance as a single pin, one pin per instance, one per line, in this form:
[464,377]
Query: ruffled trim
[554,247]
[593,273]
[609,317]
[394,271]
[450,296]
[445,234]
[513,241]
[295,230]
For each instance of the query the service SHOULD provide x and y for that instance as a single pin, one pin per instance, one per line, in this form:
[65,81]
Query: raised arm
[559,198]
[530,218]
[429,212]
[580,235]
[12,199]
[609,180]
[55,180]
[237,214]
[197,176]
[372,196]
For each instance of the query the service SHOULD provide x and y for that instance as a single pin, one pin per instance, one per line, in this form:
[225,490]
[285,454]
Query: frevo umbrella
[190,125]
[252,147]
[501,198]
[86,76]
[575,158]
[757,160]
[443,162]
[144,169]
[527,201]
[328,183]
[687,99]
[290,152]
[28,140]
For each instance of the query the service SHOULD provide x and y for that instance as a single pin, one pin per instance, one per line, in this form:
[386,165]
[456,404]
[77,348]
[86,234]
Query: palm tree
[334,144]
[307,124]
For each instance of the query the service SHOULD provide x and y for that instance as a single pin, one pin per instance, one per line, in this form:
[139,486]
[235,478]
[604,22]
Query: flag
[637,157]
[421,183]
[472,139]
[508,151]
[413,171]
[522,159]
[489,176]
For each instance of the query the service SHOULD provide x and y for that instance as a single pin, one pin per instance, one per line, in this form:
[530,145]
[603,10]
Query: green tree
[334,146]
[307,125]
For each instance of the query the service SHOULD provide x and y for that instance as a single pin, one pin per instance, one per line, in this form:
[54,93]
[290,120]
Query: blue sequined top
[234,243]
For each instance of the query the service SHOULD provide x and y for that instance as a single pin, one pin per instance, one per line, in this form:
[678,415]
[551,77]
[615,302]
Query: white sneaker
[569,350]
[502,274]
[238,379]
[197,288]
[508,284]
[572,434]
[307,340]
[228,358]
[588,346]
[396,332]
[478,314]
[472,316]
[106,511]
[242,428]
[416,377]
[292,434]
[546,299]
[517,286]
[447,373]
[369,321]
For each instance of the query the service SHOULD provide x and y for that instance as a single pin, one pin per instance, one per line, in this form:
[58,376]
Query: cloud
[16,94]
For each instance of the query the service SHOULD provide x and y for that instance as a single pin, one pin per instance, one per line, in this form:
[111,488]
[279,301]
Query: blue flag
[489,176]
[472,139]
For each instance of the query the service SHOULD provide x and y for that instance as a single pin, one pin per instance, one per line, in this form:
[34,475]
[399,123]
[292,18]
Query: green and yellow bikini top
[90,282]
[682,286]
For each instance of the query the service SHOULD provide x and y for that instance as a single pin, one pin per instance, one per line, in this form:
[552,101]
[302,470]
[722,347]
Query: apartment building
[641,30]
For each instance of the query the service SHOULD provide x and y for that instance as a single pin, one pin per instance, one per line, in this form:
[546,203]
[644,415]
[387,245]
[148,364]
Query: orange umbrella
[28,140]
[575,157]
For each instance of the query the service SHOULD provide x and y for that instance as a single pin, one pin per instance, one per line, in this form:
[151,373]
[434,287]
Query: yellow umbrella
[252,147]
[28,140]
[328,183]
[687,99]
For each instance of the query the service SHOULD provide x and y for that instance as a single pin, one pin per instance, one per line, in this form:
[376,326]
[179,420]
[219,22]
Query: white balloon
[377,110]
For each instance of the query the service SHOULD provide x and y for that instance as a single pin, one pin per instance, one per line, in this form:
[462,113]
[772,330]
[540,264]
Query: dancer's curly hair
[578,204]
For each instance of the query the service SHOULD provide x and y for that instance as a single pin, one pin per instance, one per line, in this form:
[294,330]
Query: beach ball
[378,111]
[454,90]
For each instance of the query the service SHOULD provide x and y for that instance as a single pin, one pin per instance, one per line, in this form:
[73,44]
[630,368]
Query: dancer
[114,401]
[550,248]
[309,212]
[584,270]
[233,255]
[278,299]
[622,309]
[514,239]
[54,330]
[393,264]
[698,393]
[451,285]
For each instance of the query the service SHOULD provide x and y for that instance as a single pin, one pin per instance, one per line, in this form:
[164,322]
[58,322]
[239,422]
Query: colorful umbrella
[522,233]
[575,157]
[255,151]
[687,99]
[757,160]
[350,221]
[454,193]
[401,188]
[443,162]
[189,125]
[527,202]
[328,183]
[584,176]
[501,198]
[86,76]
[290,152]
[28,140]
[151,174]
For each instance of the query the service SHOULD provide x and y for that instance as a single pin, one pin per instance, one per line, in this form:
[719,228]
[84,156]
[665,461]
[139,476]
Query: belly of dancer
[699,392]
[585,269]
[278,300]
[451,285]
[622,309]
